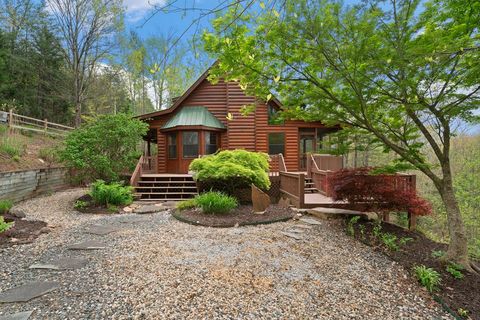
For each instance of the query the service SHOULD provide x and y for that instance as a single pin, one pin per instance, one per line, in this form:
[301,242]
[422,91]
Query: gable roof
[178,100]
[193,116]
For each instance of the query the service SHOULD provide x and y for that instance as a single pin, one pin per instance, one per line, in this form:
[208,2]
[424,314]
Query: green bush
[5,206]
[455,270]
[79,204]
[390,241]
[11,148]
[215,202]
[111,194]
[104,147]
[427,277]
[232,169]
[4,226]
[186,204]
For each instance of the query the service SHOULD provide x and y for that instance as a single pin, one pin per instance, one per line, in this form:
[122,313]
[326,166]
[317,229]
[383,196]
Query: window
[273,116]
[190,144]
[211,142]
[276,143]
[172,145]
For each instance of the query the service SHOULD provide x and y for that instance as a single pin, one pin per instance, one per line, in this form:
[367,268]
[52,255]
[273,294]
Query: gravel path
[155,267]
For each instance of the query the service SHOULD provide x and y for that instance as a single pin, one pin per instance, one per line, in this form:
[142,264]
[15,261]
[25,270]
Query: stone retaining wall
[21,185]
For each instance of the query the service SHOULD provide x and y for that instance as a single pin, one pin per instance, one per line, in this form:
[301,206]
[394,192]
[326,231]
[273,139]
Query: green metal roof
[193,116]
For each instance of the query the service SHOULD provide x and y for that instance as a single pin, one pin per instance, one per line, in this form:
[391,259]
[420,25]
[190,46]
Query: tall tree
[392,68]
[87,28]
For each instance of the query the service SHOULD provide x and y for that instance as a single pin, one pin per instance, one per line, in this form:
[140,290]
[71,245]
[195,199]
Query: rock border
[176,215]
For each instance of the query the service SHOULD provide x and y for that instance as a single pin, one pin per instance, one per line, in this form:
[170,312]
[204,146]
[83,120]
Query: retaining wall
[22,185]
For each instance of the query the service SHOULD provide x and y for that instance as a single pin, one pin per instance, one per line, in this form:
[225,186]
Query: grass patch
[5,206]
[215,202]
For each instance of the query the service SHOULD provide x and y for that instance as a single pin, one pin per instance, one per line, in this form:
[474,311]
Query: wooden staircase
[310,186]
[165,187]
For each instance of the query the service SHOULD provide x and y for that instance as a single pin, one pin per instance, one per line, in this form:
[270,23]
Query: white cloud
[137,9]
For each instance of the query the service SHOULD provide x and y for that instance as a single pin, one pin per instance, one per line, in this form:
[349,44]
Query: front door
[307,145]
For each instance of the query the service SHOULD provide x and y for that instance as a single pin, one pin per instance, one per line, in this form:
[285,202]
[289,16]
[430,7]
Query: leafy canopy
[404,75]
[104,147]
[231,169]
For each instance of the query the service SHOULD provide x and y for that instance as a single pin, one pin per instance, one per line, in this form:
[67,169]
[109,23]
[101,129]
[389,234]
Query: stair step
[167,182]
[167,187]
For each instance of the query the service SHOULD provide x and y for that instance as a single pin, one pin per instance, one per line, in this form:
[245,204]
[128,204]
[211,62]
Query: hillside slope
[26,150]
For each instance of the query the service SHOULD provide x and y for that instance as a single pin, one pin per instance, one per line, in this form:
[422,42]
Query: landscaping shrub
[229,170]
[186,204]
[5,206]
[111,194]
[376,192]
[427,277]
[4,226]
[215,202]
[104,147]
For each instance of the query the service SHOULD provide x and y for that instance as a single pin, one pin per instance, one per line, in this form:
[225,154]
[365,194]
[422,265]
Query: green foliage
[463,312]
[4,226]
[215,202]
[390,241]
[394,69]
[438,253]
[403,241]
[5,206]
[377,229]
[112,208]
[229,170]
[104,147]
[351,224]
[362,232]
[428,277]
[111,194]
[79,204]
[186,204]
[455,270]
[11,147]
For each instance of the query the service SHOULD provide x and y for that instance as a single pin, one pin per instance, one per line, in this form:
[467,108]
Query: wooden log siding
[243,132]
[292,186]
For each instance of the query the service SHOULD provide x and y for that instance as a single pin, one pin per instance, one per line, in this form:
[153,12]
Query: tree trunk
[458,248]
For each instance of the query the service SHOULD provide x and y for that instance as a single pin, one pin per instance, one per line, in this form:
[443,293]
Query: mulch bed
[23,231]
[92,207]
[241,216]
[453,293]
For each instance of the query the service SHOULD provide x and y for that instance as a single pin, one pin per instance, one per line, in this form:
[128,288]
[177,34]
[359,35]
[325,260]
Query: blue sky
[138,11]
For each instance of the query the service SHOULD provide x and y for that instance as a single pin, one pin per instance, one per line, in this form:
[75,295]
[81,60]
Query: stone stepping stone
[311,221]
[87,245]
[149,209]
[133,219]
[17,316]
[28,291]
[303,226]
[101,230]
[292,235]
[294,230]
[62,264]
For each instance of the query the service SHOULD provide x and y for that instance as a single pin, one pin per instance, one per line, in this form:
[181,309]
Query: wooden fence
[17,121]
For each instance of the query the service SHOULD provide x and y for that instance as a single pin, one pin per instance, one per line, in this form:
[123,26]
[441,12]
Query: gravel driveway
[155,267]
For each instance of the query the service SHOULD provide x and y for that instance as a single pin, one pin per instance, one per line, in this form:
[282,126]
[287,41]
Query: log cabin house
[196,125]
[207,118]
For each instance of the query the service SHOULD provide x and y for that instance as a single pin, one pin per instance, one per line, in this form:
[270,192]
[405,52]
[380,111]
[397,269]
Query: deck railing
[17,121]
[277,164]
[137,173]
[149,164]
[293,186]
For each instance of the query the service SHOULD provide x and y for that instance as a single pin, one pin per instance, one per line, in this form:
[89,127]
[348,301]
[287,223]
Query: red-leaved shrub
[380,193]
